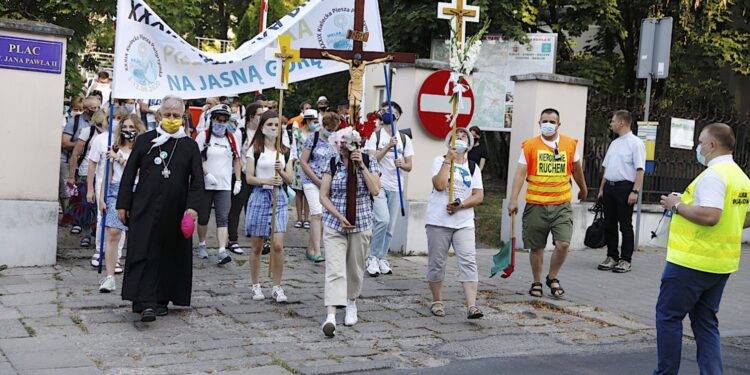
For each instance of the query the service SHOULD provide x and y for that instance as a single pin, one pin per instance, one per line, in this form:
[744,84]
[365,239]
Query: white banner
[151,60]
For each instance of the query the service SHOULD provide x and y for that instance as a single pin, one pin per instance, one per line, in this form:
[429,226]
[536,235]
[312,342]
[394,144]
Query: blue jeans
[685,291]
[385,207]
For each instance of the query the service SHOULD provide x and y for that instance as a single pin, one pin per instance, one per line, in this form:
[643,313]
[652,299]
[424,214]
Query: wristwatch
[675,207]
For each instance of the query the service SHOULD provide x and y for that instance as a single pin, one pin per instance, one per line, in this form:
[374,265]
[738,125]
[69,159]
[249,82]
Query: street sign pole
[653,62]
[646,113]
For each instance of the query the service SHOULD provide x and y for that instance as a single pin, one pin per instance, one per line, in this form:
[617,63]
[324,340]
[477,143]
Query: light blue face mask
[315,126]
[548,129]
[326,133]
[461,146]
[701,158]
[219,129]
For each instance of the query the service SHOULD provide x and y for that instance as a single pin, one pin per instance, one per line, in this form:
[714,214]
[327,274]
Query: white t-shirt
[624,156]
[265,168]
[83,169]
[219,162]
[711,188]
[117,168]
[463,184]
[153,105]
[576,156]
[388,178]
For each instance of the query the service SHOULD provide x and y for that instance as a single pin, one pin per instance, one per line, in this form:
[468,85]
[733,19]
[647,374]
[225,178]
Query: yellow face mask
[171,125]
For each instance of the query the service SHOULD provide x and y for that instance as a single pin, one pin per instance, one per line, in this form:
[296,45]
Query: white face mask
[548,129]
[270,133]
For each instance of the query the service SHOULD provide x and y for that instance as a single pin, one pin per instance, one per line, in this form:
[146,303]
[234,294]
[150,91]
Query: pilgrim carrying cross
[357,59]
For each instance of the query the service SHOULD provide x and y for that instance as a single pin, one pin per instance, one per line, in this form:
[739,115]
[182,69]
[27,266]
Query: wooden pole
[276,189]
[453,146]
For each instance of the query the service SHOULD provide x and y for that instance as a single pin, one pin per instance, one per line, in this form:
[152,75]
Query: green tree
[248,26]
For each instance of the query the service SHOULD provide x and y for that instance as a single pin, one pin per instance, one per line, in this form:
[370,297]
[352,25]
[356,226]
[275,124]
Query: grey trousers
[439,241]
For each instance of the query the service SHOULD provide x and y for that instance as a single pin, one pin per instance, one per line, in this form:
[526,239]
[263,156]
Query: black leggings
[239,202]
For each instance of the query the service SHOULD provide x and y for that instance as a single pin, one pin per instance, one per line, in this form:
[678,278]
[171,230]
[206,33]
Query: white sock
[331,318]
[202,243]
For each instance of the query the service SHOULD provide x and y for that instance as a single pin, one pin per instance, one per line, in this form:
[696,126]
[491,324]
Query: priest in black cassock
[169,173]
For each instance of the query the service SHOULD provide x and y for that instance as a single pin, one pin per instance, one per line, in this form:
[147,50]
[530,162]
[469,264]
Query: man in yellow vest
[547,162]
[703,250]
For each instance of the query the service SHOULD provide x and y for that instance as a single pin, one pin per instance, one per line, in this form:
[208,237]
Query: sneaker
[622,267]
[329,326]
[373,268]
[223,258]
[95,260]
[385,267]
[278,294]
[235,248]
[257,293]
[608,264]
[351,313]
[107,285]
[162,310]
[202,252]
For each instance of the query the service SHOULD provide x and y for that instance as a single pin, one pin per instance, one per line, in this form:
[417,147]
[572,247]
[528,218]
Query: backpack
[403,140]
[256,156]
[596,236]
[76,121]
[472,166]
[82,156]
[232,144]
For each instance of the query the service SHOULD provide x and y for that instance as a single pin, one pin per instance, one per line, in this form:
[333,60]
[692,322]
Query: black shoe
[266,247]
[148,315]
[162,310]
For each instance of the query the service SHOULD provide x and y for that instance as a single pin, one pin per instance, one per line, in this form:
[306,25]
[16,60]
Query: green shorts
[539,220]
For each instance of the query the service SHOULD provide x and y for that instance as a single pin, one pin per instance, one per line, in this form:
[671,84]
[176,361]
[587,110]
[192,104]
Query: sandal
[437,308]
[76,229]
[298,224]
[536,289]
[319,258]
[235,248]
[557,291]
[85,241]
[118,268]
[306,224]
[474,312]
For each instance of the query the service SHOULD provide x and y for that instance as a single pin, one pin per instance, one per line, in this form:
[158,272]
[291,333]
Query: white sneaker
[385,267]
[373,268]
[202,251]
[107,285]
[257,293]
[329,326]
[351,313]
[278,294]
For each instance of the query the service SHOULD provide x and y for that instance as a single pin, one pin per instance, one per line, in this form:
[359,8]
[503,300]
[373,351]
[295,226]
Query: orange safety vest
[549,178]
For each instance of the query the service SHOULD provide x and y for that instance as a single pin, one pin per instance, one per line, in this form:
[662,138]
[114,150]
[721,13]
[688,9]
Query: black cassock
[159,265]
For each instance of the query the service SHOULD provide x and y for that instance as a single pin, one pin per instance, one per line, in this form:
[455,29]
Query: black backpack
[472,166]
[76,121]
[85,152]
[403,139]
[596,234]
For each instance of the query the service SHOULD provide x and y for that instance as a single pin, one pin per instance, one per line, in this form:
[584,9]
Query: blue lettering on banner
[271,68]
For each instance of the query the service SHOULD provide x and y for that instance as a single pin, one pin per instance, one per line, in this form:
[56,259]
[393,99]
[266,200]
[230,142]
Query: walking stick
[106,186]
[276,188]
[283,56]
[394,134]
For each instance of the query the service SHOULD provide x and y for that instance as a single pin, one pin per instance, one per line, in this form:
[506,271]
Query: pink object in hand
[187,226]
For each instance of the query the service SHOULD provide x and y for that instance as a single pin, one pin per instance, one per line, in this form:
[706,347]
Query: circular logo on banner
[334,27]
[143,64]
[434,107]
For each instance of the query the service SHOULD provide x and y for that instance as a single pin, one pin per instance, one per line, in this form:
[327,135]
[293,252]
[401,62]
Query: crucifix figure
[357,59]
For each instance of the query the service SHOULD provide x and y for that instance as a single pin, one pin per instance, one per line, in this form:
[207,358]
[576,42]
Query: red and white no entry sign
[434,106]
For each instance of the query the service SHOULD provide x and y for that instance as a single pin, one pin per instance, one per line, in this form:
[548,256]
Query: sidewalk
[53,320]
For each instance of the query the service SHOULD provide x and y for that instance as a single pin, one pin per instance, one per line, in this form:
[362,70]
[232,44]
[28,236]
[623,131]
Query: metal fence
[674,168]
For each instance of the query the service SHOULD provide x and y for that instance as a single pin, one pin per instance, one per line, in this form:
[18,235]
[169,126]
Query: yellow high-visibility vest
[713,249]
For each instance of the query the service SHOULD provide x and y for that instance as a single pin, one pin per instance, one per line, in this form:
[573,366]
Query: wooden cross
[357,59]
[284,56]
[458,13]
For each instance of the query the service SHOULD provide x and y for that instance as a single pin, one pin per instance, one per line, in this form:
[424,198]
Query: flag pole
[393,134]
[276,188]
[106,182]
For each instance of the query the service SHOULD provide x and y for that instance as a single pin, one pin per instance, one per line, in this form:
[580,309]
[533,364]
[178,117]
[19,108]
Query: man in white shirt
[386,204]
[623,169]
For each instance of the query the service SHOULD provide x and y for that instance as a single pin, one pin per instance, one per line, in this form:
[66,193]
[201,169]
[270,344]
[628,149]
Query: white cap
[310,114]
[322,98]
[465,131]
